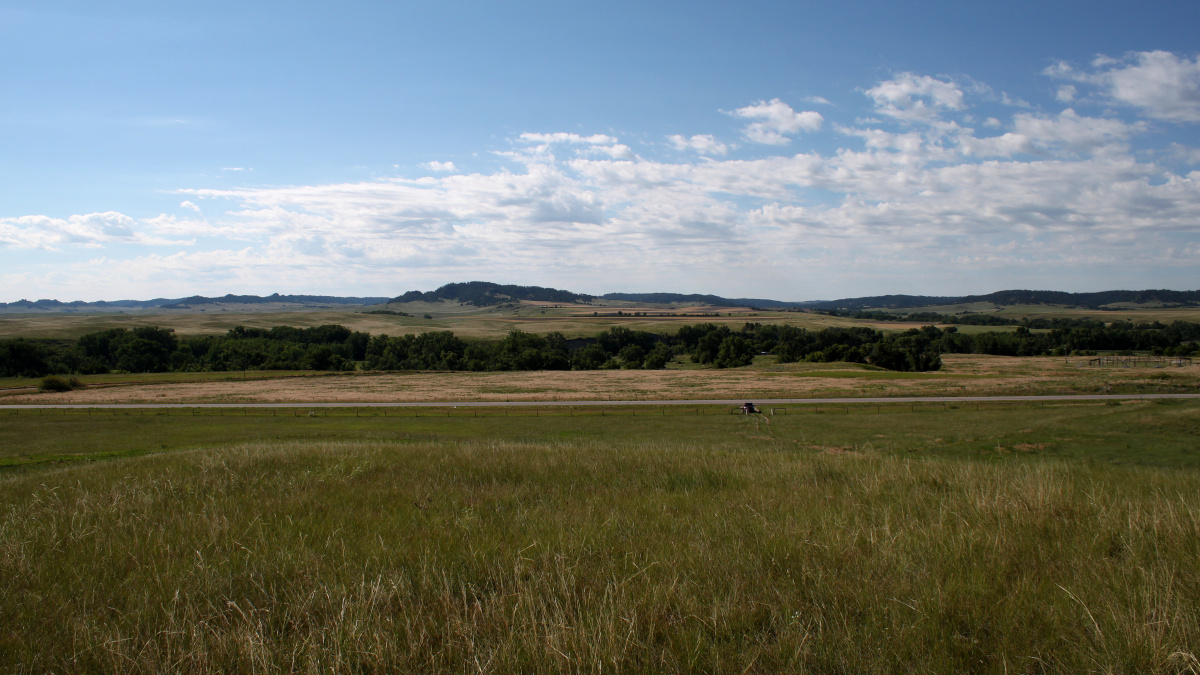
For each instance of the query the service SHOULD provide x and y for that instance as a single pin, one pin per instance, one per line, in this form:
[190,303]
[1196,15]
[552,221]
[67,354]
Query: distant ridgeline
[484,293]
[1020,297]
[184,303]
[697,299]
[332,347]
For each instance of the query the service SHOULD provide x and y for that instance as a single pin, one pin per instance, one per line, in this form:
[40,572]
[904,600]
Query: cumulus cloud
[704,144]
[915,97]
[774,120]
[439,166]
[1045,193]
[1066,132]
[185,204]
[91,229]
[1161,84]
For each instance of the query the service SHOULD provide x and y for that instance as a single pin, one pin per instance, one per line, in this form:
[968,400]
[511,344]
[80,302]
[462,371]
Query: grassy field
[1001,539]
[960,375]
[464,320]
[1147,433]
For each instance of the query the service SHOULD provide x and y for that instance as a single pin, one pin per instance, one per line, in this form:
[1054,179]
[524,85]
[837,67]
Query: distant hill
[696,299]
[1015,297]
[484,293]
[184,303]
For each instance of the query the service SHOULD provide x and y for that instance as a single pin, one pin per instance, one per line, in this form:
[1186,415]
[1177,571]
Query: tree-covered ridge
[333,347]
[485,293]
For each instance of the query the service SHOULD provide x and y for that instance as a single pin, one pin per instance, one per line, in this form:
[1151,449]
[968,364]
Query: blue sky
[785,150]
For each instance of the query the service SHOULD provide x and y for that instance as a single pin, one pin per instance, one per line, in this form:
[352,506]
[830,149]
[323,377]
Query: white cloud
[563,137]
[615,151]
[1068,132]
[1046,198]
[915,97]
[1066,93]
[92,230]
[1163,85]
[439,166]
[1184,153]
[185,204]
[704,144]
[1072,131]
[775,119]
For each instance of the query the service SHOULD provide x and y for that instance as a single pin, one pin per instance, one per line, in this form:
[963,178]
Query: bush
[52,383]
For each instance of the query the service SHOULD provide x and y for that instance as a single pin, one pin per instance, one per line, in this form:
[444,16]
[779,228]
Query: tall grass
[584,556]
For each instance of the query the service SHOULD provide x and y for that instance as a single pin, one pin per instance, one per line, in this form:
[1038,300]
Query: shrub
[53,383]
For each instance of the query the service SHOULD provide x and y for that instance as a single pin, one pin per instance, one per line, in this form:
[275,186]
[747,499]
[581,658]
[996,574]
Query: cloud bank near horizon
[940,184]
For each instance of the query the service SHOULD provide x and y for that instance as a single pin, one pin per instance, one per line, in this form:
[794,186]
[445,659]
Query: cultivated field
[1021,538]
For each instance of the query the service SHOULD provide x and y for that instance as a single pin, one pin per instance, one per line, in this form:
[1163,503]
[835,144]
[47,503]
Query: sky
[786,150]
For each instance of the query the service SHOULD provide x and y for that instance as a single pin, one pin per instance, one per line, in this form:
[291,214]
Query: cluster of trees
[914,350]
[1179,338]
[615,348]
[333,347]
[157,350]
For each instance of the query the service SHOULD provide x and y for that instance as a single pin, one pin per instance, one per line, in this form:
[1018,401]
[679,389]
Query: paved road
[547,404]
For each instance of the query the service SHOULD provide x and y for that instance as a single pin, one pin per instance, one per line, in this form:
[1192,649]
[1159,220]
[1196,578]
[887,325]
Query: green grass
[1003,538]
[1148,433]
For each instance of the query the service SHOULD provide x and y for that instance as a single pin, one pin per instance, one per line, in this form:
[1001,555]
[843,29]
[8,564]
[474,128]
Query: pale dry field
[961,375]
[464,320]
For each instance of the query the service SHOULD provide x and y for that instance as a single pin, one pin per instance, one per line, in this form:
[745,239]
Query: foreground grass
[1145,433]
[731,553]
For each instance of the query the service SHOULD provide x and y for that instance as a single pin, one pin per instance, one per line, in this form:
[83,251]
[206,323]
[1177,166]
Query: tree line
[334,347]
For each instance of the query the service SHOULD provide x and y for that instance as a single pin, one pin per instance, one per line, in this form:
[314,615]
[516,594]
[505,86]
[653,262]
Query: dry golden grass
[961,375]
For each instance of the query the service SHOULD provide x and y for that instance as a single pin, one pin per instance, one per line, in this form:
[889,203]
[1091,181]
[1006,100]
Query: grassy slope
[601,544]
